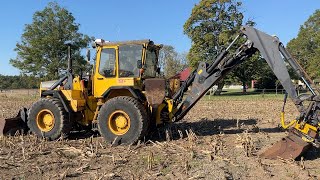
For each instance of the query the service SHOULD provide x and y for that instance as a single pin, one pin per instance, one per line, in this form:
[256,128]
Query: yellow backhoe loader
[125,98]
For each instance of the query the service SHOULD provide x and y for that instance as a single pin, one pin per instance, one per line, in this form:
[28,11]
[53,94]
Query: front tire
[47,118]
[122,120]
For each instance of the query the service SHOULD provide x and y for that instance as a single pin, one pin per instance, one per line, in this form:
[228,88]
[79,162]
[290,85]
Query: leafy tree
[249,70]
[171,62]
[264,75]
[42,50]
[211,26]
[306,46]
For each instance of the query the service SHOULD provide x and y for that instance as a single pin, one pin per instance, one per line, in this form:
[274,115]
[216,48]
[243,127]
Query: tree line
[19,82]
[212,25]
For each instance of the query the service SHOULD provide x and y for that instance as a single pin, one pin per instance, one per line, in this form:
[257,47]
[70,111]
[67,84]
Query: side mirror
[139,64]
[88,55]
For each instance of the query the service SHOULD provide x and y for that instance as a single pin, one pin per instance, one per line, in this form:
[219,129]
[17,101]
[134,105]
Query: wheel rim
[45,120]
[119,122]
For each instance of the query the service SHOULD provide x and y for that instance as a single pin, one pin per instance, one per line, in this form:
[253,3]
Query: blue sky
[161,21]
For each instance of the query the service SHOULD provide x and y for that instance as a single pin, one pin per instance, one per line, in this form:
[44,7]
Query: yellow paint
[99,104]
[169,104]
[45,120]
[158,117]
[170,108]
[76,84]
[307,140]
[101,84]
[286,126]
[119,122]
[174,85]
[76,99]
[305,128]
[89,112]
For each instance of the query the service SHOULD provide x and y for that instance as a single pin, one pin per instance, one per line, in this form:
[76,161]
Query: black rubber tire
[138,120]
[62,125]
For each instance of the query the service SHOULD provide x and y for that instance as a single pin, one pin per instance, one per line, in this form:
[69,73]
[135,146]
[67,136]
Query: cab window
[151,63]
[107,62]
[128,57]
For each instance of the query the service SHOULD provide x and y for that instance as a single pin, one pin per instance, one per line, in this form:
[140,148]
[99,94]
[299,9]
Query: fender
[136,93]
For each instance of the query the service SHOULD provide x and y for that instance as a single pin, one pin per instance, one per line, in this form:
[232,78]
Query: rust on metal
[174,86]
[155,90]
[289,147]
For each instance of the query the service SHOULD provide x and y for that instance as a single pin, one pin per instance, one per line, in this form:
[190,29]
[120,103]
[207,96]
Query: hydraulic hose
[283,124]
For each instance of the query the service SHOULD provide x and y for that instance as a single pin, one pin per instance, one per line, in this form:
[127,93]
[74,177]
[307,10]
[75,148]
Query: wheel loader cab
[121,65]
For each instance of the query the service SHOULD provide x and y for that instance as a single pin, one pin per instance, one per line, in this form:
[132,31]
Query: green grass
[249,95]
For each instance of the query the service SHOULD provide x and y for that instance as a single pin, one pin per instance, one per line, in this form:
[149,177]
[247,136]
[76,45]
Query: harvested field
[220,138]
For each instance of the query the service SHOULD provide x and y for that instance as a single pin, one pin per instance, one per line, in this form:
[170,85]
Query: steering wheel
[108,72]
[124,73]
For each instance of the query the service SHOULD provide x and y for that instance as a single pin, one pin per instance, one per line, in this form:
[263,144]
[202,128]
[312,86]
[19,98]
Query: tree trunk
[244,88]
[219,89]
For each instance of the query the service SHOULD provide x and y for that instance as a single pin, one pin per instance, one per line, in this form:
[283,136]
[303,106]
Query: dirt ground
[220,138]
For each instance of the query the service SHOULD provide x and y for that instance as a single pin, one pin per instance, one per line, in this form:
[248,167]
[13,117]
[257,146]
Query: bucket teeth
[289,147]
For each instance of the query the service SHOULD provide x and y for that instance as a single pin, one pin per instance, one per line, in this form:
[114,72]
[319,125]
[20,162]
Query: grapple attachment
[289,147]
[11,126]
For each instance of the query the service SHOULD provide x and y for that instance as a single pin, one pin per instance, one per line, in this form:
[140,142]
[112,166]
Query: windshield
[128,57]
[151,63]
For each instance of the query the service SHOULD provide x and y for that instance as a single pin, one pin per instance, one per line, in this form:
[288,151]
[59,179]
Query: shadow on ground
[256,92]
[312,154]
[83,134]
[226,93]
[212,127]
[204,128]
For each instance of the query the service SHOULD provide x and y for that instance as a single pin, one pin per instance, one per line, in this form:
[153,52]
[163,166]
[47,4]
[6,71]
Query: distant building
[183,75]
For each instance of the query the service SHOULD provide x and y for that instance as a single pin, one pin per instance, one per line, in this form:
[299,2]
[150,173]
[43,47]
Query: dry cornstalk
[150,160]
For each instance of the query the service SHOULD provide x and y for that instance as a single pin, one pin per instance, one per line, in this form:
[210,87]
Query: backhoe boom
[270,48]
[304,130]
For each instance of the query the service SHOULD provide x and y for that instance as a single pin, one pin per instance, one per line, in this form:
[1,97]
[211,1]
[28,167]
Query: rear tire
[123,120]
[47,118]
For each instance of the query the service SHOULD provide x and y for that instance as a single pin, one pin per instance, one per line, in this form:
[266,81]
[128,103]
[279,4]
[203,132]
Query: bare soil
[220,138]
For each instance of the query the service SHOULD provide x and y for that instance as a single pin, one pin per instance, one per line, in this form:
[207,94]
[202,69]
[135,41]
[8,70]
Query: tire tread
[141,110]
[65,125]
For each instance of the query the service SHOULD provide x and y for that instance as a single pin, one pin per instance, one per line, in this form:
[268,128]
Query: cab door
[105,75]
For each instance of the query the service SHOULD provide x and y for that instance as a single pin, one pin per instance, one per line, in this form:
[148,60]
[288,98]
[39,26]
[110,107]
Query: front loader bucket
[289,147]
[11,126]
